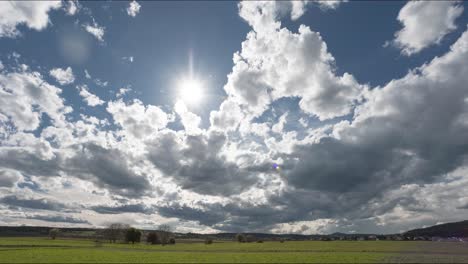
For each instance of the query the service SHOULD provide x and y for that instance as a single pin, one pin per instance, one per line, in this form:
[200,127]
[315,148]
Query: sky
[306,117]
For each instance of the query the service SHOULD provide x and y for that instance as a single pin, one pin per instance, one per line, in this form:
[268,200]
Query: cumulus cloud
[258,166]
[25,96]
[8,178]
[133,8]
[95,30]
[72,7]
[63,76]
[107,168]
[90,99]
[35,15]
[307,68]
[425,23]
[136,119]
[196,163]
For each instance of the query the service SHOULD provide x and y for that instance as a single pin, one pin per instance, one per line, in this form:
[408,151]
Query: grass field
[44,250]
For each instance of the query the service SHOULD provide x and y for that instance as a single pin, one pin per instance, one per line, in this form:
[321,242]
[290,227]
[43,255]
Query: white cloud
[87,75]
[95,30]
[101,83]
[90,99]
[123,91]
[138,120]
[72,7]
[275,63]
[34,14]
[190,121]
[25,96]
[278,127]
[425,23]
[63,76]
[330,4]
[128,59]
[133,8]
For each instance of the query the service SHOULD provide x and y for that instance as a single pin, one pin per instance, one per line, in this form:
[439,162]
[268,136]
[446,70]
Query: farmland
[45,250]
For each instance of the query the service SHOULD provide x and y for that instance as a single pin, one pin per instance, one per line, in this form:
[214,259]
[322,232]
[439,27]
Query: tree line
[119,232]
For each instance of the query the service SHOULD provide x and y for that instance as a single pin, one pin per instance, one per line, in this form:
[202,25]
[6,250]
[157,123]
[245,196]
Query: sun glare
[190,91]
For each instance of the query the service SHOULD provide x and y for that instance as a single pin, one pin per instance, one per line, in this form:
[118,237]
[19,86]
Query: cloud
[196,163]
[122,91]
[190,121]
[35,15]
[63,76]
[98,82]
[425,23]
[72,7]
[8,178]
[41,204]
[57,218]
[25,96]
[136,119]
[133,8]
[307,69]
[90,99]
[107,168]
[126,208]
[87,75]
[95,30]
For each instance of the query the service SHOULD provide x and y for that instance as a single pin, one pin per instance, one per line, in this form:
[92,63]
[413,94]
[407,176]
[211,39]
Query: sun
[190,91]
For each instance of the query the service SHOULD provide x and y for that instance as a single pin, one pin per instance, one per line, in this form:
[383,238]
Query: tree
[132,235]
[208,241]
[115,231]
[53,233]
[240,238]
[165,233]
[153,238]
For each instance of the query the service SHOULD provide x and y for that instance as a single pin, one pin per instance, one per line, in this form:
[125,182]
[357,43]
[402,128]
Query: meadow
[45,250]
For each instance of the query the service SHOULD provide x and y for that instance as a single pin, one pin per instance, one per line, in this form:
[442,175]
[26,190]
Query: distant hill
[456,229]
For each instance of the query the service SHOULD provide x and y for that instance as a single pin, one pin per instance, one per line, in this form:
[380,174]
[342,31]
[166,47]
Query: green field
[44,250]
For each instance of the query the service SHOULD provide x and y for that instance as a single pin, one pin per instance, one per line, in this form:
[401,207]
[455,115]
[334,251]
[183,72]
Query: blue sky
[212,115]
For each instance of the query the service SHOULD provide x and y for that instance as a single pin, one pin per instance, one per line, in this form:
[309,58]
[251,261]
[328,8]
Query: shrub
[172,241]
[208,241]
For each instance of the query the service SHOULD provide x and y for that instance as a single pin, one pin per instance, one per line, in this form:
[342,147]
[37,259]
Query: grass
[43,250]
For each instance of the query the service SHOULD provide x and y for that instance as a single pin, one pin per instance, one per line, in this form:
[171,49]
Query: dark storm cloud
[58,218]
[107,168]
[196,164]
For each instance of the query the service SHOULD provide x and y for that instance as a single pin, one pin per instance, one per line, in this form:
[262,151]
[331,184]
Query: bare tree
[165,233]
